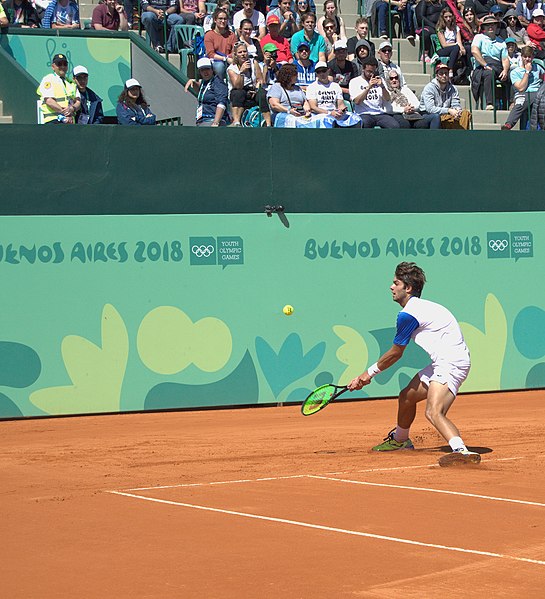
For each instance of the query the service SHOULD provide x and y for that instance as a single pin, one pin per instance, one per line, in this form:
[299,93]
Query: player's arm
[405,327]
[385,361]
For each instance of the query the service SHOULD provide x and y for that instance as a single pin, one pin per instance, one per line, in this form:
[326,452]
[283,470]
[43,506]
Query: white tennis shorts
[452,375]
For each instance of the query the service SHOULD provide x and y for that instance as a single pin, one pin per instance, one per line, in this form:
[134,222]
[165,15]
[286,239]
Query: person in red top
[109,15]
[536,33]
[273,37]
[219,43]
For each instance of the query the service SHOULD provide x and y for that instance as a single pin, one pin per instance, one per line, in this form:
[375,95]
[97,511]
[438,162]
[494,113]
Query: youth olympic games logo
[201,251]
[498,245]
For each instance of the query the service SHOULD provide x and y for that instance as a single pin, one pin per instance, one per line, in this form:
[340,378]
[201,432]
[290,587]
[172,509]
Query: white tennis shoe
[460,457]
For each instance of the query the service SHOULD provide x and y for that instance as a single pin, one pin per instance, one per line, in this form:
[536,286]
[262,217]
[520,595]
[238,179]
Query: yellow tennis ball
[288,310]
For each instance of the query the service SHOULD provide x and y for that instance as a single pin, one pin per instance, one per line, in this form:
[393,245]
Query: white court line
[333,529]
[253,480]
[218,482]
[435,465]
[369,484]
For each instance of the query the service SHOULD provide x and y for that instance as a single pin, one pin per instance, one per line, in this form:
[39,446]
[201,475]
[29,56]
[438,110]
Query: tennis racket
[320,397]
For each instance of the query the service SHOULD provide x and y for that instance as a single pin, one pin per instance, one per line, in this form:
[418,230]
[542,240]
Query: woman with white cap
[132,108]
[212,96]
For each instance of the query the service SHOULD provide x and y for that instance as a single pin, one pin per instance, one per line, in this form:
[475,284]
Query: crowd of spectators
[495,47]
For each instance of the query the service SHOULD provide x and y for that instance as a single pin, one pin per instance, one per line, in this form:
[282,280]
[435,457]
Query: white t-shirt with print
[373,104]
[326,95]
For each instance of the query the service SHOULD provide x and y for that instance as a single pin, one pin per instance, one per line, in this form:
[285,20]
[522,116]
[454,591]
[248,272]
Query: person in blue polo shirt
[308,34]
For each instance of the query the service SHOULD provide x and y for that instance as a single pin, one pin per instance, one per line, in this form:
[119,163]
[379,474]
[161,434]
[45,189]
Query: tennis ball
[288,310]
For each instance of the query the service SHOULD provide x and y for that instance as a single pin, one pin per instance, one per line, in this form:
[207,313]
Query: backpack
[198,46]
[252,118]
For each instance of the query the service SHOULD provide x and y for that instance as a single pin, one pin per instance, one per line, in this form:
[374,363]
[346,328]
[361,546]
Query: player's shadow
[447,449]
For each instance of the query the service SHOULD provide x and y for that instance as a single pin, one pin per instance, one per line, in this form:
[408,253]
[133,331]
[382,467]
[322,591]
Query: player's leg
[441,396]
[398,438]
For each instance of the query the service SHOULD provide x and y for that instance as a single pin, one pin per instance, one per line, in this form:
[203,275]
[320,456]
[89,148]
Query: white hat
[79,70]
[204,63]
[538,13]
[320,65]
[385,44]
[339,44]
[132,83]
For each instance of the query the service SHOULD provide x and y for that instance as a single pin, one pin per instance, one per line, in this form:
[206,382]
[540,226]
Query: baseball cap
[496,9]
[489,20]
[538,13]
[320,65]
[132,83]
[59,58]
[440,65]
[510,40]
[303,45]
[204,63]
[339,44]
[273,19]
[79,70]
[270,47]
[385,45]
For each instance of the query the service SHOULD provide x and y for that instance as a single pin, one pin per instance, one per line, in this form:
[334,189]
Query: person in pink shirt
[273,37]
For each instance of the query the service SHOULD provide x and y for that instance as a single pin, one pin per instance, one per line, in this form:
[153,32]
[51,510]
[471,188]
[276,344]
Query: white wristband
[373,370]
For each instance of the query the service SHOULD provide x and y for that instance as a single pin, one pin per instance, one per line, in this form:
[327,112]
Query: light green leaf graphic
[168,341]
[353,352]
[96,372]
[487,348]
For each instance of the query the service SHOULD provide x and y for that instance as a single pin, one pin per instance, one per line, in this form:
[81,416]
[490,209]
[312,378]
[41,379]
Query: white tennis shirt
[435,329]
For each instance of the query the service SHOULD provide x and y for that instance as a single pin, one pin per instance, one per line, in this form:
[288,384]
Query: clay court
[267,503]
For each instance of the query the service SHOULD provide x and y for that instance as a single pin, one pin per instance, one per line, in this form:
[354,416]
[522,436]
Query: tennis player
[436,330]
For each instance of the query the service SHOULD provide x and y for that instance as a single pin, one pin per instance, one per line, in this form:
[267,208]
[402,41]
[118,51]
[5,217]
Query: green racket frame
[320,397]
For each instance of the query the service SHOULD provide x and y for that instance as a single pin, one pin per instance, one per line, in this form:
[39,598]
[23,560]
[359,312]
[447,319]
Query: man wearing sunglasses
[59,96]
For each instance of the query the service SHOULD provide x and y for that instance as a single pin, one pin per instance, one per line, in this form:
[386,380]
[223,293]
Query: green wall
[107,313]
[156,170]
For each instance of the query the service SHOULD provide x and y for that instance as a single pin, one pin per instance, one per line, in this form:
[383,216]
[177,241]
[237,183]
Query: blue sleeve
[125,116]
[406,325]
[46,20]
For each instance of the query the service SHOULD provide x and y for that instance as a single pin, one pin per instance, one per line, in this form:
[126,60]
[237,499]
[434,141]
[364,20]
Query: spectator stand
[25,56]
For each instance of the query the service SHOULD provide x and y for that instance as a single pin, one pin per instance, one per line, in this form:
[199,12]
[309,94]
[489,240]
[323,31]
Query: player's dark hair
[411,274]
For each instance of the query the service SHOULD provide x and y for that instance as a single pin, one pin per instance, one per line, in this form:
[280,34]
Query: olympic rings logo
[498,245]
[202,251]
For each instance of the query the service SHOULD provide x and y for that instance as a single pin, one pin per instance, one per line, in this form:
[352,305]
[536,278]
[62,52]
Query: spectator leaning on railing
[440,97]
[109,15]
[132,108]
[20,13]
[61,14]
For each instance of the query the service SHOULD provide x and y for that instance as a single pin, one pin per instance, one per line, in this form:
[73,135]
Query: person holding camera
[109,15]
[369,95]
[245,79]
